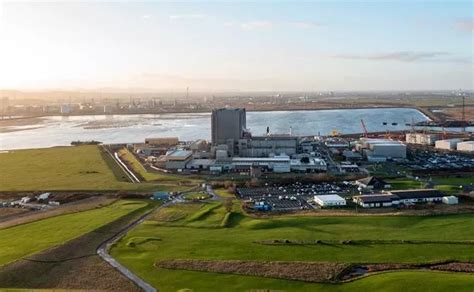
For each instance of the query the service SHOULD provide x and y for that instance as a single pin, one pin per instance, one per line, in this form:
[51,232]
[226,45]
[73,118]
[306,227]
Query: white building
[467,146]
[450,200]
[280,163]
[330,200]
[421,138]
[383,148]
[448,144]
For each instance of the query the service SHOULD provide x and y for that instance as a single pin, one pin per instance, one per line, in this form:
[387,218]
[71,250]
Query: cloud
[466,25]
[304,24]
[187,16]
[259,24]
[266,24]
[406,56]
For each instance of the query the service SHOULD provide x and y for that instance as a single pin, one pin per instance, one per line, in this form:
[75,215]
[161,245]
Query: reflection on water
[59,130]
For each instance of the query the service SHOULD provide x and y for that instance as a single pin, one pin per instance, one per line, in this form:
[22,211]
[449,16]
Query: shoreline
[424,111]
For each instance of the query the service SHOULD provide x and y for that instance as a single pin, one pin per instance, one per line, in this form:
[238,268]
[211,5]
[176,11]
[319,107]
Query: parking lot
[435,160]
[291,197]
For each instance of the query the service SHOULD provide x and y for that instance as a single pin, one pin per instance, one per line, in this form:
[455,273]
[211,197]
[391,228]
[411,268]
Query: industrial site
[237,146]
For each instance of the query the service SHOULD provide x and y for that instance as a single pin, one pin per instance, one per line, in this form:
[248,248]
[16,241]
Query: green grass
[196,196]
[405,183]
[455,181]
[23,240]
[224,193]
[85,168]
[196,236]
[62,168]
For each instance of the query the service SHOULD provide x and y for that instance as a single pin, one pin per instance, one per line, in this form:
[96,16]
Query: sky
[237,46]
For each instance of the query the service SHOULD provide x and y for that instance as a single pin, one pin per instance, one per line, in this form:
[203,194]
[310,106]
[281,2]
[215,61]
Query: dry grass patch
[319,272]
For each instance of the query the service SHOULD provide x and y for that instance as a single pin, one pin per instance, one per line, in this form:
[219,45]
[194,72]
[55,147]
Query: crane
[366,134]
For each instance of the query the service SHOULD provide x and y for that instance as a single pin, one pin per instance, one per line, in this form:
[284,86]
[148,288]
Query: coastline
[429,115]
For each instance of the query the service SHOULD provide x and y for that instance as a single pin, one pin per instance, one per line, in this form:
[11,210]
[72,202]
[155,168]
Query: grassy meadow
[84,168]
[191,231]
[22,240]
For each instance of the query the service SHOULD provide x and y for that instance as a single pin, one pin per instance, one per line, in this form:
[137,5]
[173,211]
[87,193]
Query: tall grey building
[228,126]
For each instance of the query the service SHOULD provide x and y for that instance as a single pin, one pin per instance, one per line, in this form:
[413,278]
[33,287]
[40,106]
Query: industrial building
[178,159]
[264,146]
[379,150]
[231,138]
[330,201]
[406,197]
[467,146]
[228,126]
[378,200]
[421,138]
[448,144]
[418,196]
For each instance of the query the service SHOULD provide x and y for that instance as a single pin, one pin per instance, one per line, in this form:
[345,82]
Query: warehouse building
[467,146]
[279,164]
[418,196]
[448,144]
[330,201]
[178,159]
[264,146]
[381,149]
[421,138]
[376,201]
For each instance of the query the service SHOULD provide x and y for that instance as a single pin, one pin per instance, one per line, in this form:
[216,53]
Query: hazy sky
[230,45]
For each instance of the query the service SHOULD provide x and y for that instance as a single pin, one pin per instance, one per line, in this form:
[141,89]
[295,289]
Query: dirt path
[73,265]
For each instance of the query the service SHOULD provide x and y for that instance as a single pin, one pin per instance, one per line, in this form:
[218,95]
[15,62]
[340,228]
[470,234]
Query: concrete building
[228,126]
[313,165]
[330,200]
[178,159]
[382,148]
[467,146]
[448,144]
[279,164]
[264,146]
[421,138]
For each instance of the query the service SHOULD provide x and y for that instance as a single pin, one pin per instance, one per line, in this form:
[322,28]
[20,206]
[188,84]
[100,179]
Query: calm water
[57,131]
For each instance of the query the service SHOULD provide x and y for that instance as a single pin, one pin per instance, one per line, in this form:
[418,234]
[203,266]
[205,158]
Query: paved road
[103,252]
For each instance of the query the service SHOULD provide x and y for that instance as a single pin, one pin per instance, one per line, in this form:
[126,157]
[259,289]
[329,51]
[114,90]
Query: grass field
[85,168]
[196,196]
[196,236]
[62,168]
[23,240]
